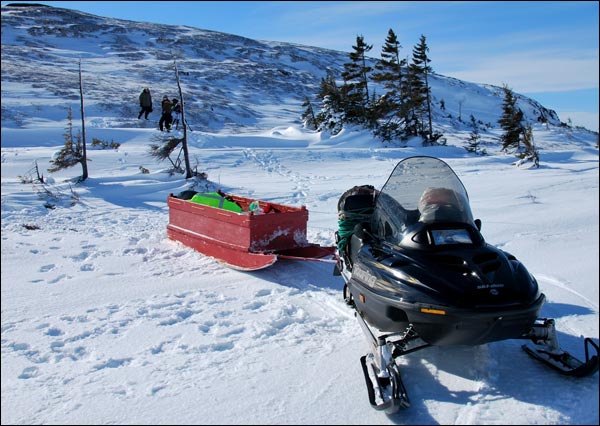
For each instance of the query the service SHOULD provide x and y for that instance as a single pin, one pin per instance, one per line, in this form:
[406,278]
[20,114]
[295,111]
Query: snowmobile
[419,273]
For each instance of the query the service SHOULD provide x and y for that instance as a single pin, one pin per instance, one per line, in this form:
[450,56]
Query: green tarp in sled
[214,199]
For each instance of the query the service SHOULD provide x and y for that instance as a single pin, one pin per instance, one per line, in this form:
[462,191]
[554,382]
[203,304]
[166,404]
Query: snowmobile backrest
[355,207]
[357,198]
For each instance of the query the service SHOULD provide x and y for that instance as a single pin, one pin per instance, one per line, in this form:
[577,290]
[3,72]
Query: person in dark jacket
[145,103]
[166,118]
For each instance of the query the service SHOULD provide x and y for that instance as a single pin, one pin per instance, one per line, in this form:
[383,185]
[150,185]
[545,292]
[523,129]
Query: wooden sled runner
[250,239]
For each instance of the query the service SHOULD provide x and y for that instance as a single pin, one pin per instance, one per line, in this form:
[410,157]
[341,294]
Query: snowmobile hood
[426,238]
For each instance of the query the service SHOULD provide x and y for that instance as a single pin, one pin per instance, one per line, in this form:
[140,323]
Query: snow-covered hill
[228,81]
[231,79]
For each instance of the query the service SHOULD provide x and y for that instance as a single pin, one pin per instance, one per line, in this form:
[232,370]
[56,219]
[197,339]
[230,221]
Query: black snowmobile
[419,273]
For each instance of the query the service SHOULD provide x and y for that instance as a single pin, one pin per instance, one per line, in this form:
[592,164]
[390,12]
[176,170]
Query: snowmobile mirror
[478,224]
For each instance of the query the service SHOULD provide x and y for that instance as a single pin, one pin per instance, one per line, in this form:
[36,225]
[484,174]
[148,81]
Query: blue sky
[546,50]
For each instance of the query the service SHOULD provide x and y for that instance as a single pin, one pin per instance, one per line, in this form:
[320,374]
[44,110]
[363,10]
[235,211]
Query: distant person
[166,118]
[177,111]
[145,103]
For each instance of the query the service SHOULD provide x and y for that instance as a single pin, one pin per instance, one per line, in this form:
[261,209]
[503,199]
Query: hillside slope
[228,81]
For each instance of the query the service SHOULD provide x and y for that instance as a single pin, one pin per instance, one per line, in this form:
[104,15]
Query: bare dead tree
[84,168]
[74,151]
[186,157]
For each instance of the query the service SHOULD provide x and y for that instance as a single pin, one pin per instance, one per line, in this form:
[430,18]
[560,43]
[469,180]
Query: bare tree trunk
[186,157]
[84,168]
[428,105]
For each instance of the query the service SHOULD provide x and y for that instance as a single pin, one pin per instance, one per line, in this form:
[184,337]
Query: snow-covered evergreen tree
[356,89]
[510,121]
[421,70]
[389,74]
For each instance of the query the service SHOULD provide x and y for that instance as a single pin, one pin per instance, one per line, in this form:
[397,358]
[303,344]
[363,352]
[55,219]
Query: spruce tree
[531,153]
[475,139]
[414,101]
[308,116]
[421,70]
[71,153]
[331,117]
[355,90]
[510,121]
[389,74]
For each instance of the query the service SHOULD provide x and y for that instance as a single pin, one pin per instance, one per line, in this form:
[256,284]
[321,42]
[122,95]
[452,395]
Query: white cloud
[533,72]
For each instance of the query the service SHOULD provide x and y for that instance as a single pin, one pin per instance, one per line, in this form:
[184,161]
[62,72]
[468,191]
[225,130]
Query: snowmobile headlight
[433,311]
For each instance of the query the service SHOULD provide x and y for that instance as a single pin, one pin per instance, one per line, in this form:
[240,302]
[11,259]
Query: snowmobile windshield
[420,189]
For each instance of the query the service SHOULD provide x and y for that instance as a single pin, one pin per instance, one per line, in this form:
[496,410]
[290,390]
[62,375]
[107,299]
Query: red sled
[244,240]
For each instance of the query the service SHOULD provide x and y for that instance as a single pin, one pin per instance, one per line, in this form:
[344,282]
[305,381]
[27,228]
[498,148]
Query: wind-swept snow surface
[106,320]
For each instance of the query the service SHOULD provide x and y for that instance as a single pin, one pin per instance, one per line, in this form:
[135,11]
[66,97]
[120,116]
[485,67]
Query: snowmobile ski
[386,389]
[547,350]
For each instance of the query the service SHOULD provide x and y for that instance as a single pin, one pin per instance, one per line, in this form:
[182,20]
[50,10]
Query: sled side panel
[231,255]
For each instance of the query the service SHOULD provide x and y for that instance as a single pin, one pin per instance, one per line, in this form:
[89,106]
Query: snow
[106,320]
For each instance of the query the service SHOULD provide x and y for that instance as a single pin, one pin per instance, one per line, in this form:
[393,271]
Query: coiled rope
[347,222]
